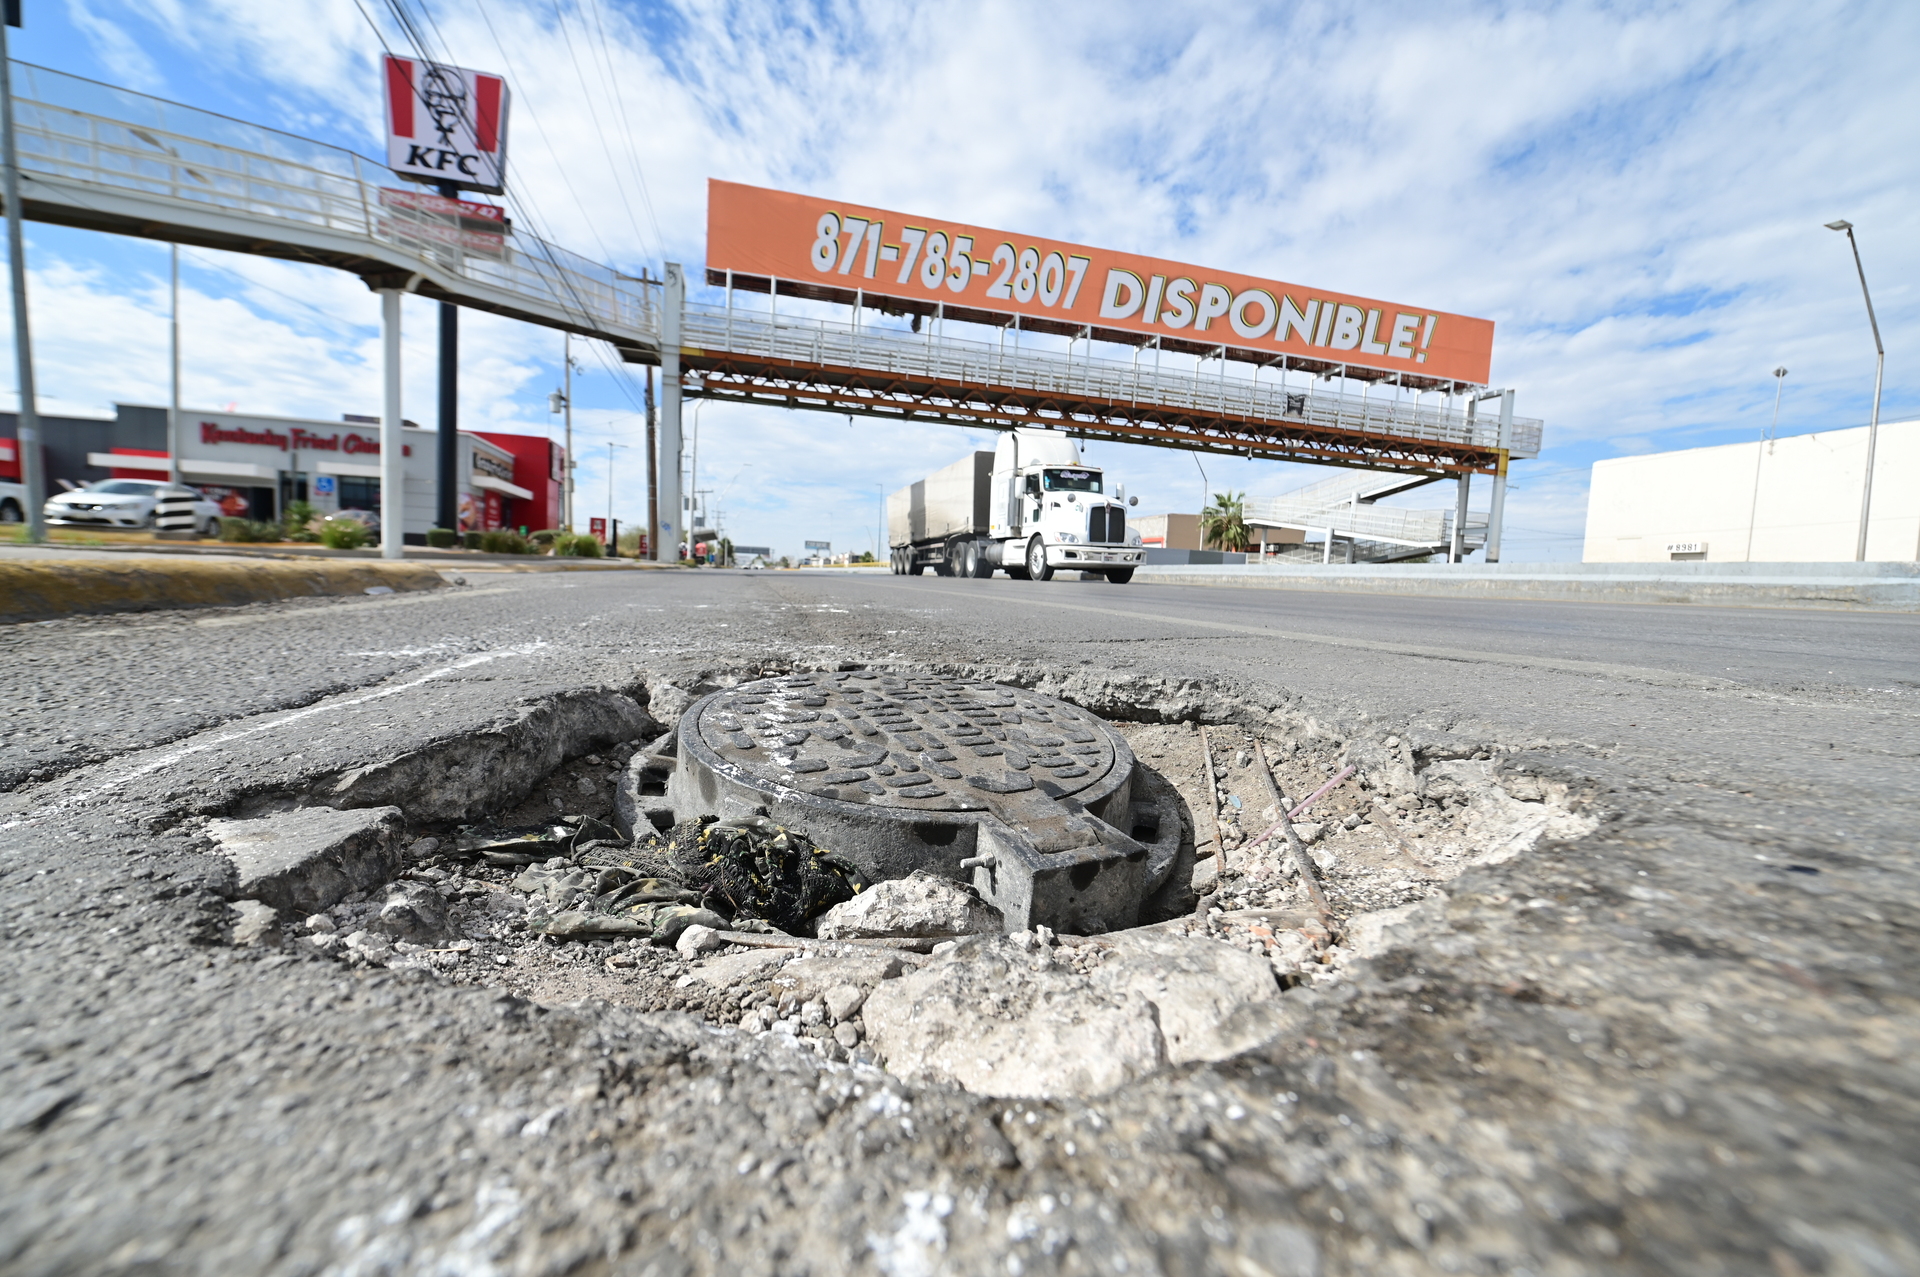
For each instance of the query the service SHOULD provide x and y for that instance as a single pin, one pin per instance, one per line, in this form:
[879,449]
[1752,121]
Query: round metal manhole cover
[923,742]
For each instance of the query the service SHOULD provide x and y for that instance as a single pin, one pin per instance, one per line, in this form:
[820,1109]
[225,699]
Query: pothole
[1020,868]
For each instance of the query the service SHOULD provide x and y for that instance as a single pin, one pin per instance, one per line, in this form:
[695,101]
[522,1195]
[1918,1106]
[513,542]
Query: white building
[1792,500]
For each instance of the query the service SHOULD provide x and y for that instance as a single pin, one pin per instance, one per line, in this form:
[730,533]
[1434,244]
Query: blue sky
[1633,193]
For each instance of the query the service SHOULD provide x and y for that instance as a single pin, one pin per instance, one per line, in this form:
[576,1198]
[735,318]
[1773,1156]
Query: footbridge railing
[837,366]
[109,159]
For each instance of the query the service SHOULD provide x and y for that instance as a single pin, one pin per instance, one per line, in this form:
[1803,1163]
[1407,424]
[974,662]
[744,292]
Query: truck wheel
[982,566]
[1037,569]
[10,513]
[914,566]
[1120,576]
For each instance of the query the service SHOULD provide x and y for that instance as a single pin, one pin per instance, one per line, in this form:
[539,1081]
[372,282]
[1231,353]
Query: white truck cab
[1030,508]
[1053,512]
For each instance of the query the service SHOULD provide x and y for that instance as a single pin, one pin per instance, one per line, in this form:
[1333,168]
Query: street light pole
[611,445]
[1879,368]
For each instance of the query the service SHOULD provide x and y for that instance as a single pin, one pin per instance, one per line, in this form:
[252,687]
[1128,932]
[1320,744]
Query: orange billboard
[760,233]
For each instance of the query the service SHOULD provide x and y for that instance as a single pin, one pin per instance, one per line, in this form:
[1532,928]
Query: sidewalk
[1893,587]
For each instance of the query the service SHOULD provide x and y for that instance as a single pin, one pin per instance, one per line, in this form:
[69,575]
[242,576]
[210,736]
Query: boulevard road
[1681,1044]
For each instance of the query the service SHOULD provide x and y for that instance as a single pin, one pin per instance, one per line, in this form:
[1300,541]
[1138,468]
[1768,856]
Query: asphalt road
[1658,1049]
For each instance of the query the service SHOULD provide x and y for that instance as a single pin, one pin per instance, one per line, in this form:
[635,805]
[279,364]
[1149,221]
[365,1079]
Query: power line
[606,148]
[626,125]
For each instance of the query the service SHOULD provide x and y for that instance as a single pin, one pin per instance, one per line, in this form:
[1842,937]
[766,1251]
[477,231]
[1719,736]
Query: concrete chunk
[999,1022]
[1000,1019]
[307,860]
[921,904]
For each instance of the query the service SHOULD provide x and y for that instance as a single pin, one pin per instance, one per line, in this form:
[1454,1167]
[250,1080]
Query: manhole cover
[1028,797]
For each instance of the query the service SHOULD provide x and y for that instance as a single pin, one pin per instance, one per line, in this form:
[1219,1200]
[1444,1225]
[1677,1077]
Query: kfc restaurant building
[253,466]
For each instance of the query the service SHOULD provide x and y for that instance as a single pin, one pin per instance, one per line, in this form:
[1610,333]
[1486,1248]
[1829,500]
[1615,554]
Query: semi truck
[1029,508]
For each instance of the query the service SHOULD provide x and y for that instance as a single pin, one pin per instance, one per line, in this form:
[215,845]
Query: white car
[13,502]
[126,503]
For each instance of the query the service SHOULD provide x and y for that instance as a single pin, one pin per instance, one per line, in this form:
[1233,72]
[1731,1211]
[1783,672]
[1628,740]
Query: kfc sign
[446,124]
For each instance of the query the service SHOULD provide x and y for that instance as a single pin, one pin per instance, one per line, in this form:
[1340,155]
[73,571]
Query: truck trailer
[1029,508]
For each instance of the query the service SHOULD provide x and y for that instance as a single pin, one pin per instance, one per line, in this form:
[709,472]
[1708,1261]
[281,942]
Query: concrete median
[44,589]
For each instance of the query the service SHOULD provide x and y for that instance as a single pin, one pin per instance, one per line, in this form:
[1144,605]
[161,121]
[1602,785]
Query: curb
[45,589]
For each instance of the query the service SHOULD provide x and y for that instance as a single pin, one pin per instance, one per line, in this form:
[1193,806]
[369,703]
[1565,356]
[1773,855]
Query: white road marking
[173,756]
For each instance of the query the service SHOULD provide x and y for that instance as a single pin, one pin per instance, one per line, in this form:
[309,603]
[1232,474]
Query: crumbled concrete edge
[465,776]
[46,589]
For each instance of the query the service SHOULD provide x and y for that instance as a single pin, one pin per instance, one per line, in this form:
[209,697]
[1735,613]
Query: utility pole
[447,454]
[562,401]
[29,429]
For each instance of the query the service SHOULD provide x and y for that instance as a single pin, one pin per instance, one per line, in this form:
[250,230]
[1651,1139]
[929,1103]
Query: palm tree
[1223,525]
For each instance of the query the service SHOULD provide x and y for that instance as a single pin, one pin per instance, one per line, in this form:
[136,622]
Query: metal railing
[1387,523]
[197,165]
[1137,382]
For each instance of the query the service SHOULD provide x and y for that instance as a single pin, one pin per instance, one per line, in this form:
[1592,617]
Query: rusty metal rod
[1213,809]
[1297,812]
[1302,861]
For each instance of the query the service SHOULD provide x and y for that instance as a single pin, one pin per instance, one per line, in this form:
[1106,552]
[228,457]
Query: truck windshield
[1073,480]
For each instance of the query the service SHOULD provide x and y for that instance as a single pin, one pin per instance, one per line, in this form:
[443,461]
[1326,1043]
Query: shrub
[247,530]
[576,545]
[441,538]
[543,538]
[470,539]
[343,534]
[503,542]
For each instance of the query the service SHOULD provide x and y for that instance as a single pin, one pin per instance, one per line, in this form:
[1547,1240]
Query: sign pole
[447,456]
[393,504]
[29,428]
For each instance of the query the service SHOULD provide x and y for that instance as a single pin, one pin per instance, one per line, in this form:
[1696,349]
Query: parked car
[127,503]
[365,517]
[13,502]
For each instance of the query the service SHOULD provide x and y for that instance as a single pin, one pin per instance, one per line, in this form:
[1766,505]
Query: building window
[359,494]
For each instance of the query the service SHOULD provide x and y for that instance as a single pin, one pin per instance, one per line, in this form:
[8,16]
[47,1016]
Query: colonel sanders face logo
[444,94]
